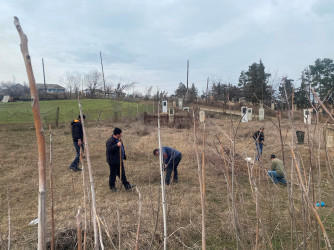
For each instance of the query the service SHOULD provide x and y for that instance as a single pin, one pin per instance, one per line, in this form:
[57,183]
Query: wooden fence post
[57,119]
[40,138]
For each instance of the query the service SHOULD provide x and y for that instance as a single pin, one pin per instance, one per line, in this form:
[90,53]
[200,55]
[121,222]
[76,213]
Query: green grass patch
[21,112]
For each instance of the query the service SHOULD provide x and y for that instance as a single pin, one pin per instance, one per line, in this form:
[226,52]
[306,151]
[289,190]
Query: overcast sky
[149,41]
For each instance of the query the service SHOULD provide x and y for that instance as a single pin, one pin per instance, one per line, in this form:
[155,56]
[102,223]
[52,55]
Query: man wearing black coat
[115,155]
[77,136]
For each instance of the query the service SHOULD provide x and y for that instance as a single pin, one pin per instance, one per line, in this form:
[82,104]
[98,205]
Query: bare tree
[120,88]
[93,81]
[147,93]
[72,81]
[109,89]
[137,94]
[160,95]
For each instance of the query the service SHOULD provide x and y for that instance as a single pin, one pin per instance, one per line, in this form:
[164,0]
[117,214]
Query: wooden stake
[118,224]
[201,186]
[100,232]
[39,136]
[120,165]
[91,180]
[8,206]
[79,230]
[85,199]
[51,195]
[139,217]
[162,183]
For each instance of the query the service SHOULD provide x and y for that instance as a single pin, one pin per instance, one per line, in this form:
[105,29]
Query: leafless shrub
[143,131]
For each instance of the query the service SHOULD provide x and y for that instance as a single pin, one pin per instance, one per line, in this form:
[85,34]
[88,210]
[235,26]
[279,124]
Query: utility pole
[187,77]
[207,88]
[104,82]
[44,76]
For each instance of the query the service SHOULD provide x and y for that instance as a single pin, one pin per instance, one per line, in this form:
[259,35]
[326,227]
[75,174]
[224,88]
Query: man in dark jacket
[115,155]
[259,140]
[77,136]
[171,159]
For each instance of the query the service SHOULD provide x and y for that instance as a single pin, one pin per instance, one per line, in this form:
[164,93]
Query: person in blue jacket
[171,159]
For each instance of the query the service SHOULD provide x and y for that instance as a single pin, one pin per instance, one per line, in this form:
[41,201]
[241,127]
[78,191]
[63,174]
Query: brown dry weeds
[18,168]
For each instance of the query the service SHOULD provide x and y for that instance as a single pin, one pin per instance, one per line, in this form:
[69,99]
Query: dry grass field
[266,216]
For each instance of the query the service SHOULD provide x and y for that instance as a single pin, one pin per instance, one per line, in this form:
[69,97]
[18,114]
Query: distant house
[50,88]
[14,90]
[17,87]
[10,88]
[97,92]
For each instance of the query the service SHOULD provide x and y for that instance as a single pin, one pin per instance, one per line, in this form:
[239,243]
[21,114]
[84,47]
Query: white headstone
[329,141]
[171,115]
[307,115]
[202,116]
[171,112]
[272,105]
[261,114]
[249,114]
[244,116]
[174,104]
[164,106]
[329,138]
[180,103]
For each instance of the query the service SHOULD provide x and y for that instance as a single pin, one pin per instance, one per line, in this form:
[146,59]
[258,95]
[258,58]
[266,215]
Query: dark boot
[128,186]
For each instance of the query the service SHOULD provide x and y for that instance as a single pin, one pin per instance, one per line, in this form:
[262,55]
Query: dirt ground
[19,187]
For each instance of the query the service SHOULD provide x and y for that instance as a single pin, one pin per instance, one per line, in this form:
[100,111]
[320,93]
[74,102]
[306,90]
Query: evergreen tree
[234,92]
[218,91]
[181,90]
[301,94]
[254,83]
[192,93]
[288,87]
[322,76]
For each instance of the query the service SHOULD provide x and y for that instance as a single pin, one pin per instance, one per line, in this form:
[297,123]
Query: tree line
[255,85]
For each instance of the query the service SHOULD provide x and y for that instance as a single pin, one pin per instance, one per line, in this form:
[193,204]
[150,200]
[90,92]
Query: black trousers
[172,167]
[114,170]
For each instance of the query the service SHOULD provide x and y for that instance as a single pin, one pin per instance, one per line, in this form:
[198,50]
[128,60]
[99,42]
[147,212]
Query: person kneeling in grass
[277,171]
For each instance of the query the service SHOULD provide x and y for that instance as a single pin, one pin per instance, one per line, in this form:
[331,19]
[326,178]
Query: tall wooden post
[187,78]
[163,194]
[44,76]
[104,82]
[39,136]
[57,119]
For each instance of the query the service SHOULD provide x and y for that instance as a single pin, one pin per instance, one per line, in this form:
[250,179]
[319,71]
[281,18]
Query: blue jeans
[259,147]
[172,166]
[75,162]
[276,178]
